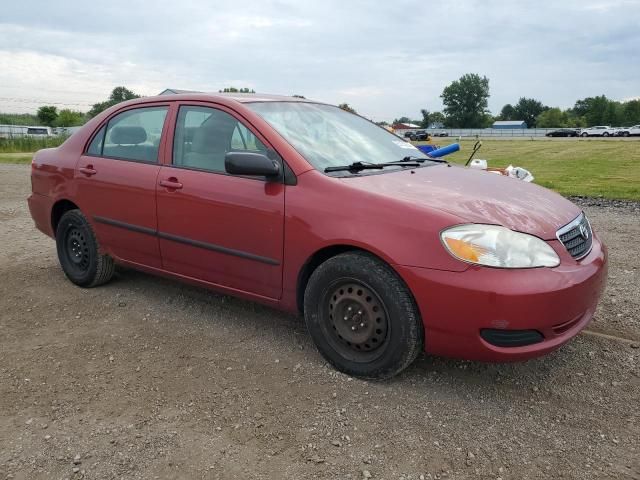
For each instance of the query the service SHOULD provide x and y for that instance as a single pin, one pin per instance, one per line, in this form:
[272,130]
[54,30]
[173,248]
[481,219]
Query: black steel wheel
[76,249]
[79,252]
[362,317]
[358,320]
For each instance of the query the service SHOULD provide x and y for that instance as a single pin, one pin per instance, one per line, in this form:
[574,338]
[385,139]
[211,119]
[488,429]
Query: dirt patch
[150,378]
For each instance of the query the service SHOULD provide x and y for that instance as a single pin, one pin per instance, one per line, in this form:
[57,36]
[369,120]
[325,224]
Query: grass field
[609,169]
[29,144]
[15,157]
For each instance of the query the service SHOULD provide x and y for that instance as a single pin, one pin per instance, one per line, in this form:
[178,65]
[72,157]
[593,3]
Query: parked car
[385,251]
[563,132]
[628,131]
[9,131]
[417,135]
[440,133]
[598,131]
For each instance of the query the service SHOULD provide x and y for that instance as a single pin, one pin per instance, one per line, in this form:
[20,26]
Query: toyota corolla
[300,205]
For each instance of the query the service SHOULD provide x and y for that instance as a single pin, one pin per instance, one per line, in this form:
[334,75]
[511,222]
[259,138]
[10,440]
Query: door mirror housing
[251,163]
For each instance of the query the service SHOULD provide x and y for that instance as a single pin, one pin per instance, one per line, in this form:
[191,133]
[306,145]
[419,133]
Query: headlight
[496,246]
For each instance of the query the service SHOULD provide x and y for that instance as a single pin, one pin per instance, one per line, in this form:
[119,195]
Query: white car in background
[628,131]
[598,131]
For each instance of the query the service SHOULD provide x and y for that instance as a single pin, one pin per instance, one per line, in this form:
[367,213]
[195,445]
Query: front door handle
[88,170]
[171,183]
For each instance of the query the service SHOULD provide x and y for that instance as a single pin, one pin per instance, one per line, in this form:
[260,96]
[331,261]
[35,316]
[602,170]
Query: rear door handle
[88,170]
[171,184]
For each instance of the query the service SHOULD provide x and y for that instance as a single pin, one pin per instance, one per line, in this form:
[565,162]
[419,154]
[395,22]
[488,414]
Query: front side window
[134,134]
[328,136]
[204,136]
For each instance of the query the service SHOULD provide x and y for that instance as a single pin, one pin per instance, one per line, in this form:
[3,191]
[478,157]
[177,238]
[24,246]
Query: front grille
[577,237]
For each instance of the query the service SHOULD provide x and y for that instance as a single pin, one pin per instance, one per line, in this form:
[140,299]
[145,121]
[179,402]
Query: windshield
[328,136]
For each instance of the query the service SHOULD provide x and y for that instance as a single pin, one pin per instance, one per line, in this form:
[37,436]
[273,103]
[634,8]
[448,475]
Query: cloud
[387,60]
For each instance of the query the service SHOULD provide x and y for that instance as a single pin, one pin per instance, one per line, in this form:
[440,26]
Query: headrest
[130,135]
[214,135]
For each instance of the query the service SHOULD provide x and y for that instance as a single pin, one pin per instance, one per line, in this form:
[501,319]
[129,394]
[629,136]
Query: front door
[212,226]
[116,179]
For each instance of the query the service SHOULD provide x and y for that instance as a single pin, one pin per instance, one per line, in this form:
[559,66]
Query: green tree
[237,90]
[593,109]
[466,101]
[47,114]
[118,94]
[402,120]
[528,109]
[346,108]
[437,118]
[122,94]
[508,113]
[631,112]
[426,118]
[69,118]
[552,118]
[19,119]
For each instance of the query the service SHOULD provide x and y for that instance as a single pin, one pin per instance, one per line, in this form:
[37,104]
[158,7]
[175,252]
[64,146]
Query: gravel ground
[149,378]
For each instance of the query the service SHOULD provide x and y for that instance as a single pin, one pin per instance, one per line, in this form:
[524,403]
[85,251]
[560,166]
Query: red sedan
[305,207]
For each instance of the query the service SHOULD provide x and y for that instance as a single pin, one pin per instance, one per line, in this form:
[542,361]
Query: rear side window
[204,136]
[95,147]
[135,134]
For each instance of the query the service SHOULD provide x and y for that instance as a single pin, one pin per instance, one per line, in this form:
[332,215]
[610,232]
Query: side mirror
[251,163]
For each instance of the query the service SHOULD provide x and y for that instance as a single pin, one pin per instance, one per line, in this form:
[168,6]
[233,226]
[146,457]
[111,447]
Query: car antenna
[476,147]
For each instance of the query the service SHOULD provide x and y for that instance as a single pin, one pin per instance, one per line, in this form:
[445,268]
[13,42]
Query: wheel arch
[60,208]
[322,255]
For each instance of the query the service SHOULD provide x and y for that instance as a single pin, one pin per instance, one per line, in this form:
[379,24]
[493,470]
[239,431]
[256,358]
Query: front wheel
[584,135]
[362,317]
[605,134]
[79,252]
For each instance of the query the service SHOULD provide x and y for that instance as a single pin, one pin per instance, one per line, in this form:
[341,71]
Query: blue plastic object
[441,152]
[427,148]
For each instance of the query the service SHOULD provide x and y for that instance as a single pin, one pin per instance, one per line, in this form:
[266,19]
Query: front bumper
[557,302]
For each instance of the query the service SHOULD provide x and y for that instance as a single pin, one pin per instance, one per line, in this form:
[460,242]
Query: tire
[625,134]
[584,135]
[605,134]
[79,252]
[362,317]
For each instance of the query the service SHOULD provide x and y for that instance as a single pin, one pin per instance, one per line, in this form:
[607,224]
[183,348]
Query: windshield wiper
[411,158]
[358,166]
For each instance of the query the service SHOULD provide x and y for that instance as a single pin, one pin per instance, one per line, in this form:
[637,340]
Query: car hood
[475,196]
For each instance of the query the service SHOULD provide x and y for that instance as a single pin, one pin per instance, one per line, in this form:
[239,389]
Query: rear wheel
[362,317]
[79,252]
[584,135]
[605,134]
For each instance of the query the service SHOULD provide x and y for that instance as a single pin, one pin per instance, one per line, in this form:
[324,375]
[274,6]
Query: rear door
[116,179]
[221,228]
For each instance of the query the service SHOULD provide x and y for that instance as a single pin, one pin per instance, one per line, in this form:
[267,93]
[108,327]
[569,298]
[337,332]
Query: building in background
[509,124]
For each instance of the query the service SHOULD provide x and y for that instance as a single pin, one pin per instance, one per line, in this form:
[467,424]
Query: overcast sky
[385,59]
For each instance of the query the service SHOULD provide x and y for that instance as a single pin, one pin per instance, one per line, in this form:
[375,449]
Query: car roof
[228,99]
[235,96]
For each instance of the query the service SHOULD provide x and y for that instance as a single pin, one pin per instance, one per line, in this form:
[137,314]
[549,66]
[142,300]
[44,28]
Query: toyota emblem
[584,231]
